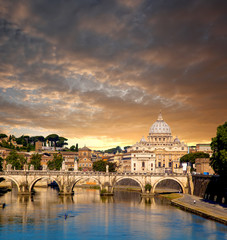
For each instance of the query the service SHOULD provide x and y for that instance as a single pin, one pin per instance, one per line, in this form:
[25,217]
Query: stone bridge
[66,180]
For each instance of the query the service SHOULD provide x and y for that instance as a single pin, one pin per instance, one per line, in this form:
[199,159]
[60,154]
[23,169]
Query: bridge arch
[169,178]
[13,180]
[40,178]
[75,181]
[128,177]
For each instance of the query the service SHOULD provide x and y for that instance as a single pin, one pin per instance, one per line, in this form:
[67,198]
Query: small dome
[176,140]
[143,140]
[160,126]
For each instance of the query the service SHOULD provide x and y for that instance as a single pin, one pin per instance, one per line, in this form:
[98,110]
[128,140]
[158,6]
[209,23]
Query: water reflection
[86,215]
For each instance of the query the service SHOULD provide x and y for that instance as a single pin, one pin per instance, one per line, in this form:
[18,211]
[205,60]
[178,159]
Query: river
[88,216]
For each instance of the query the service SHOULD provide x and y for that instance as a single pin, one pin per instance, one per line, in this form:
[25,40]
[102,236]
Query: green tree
[36,161]
[100,166]
[219,147]
[114,150]
[2,135]
[77,149]
[190,157]
[61,142]
[148,187]
[73,148]
[56,163]
[112,167]
[16,160]
[53,138]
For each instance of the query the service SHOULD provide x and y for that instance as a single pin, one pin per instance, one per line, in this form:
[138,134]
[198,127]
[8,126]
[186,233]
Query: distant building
[4,153]
[38,146]
[69,158]
[125,165]
[202,147]
[45,158]
[84,156]
[202,166]
[191,149]
[142,162]
[160,142]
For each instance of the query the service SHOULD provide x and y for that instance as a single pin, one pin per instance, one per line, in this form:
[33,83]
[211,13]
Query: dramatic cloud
[100,71]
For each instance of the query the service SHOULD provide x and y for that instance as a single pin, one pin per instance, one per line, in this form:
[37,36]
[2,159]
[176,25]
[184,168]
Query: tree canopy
[114,150]
[56,163]
[74,148]
[36,161]
[28,143]
[16,160]
[2,135]
[190,157]
[219,147]
[101,166]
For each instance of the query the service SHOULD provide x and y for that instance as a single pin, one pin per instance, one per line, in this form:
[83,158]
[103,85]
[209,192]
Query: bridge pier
[106,190]
[66,190]
[24,189]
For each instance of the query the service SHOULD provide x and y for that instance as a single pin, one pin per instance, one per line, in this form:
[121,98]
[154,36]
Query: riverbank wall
[213,188]
[203,212]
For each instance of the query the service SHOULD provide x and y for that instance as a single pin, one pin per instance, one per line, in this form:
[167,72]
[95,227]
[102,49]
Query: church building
[166,150]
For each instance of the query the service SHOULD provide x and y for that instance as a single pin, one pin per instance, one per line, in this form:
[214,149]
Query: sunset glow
[99,72]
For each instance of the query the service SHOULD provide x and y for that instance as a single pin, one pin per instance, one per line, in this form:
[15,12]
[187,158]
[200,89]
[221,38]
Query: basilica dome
[160,126]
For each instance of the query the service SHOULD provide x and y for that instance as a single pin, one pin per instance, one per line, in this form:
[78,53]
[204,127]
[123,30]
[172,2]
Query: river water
[88,216]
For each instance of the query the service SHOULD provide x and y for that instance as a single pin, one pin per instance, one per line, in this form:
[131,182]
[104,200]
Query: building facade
[166,150]
[142,162]
[202,166]
[84,156]
[69,158]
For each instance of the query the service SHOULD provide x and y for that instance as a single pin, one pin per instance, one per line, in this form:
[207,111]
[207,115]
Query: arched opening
[43,184]
[128,184]
[168,185]
[127,190]
[8,184]
[86,190]
[85,183]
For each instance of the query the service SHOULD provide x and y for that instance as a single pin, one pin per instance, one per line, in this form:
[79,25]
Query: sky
[98,72]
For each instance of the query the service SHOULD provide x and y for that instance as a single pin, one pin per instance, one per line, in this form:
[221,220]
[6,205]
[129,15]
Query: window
[143,164]
[159,164]
[151,164]
[84,153]
[182,148]
[170,164]
[163,164]
[159,139]
[134,164]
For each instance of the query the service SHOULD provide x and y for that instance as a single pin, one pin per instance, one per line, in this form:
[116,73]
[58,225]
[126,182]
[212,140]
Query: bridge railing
[88,173]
